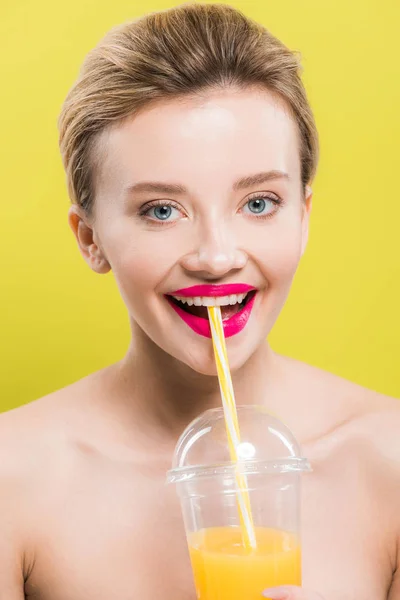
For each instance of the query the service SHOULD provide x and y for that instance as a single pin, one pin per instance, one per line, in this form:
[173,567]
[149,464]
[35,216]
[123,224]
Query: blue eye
[262,205]
[257,206]
[161,211]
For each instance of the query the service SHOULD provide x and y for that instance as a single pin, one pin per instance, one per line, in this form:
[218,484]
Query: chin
[203,363]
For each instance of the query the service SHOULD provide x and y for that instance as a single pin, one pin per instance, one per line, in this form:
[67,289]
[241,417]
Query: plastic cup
[270,459]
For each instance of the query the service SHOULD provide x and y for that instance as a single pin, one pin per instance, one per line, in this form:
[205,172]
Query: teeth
[208,301]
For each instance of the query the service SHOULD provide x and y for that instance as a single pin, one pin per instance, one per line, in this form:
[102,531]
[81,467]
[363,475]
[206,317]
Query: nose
[215,255]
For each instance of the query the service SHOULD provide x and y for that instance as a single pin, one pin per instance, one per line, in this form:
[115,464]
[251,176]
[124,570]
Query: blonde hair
[178,52]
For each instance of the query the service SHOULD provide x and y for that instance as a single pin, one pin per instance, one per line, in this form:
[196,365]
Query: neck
[167,394]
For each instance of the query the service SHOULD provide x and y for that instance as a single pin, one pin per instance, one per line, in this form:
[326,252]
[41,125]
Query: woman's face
[211,226]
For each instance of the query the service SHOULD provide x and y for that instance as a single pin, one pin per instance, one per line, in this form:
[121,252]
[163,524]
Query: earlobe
[98,263]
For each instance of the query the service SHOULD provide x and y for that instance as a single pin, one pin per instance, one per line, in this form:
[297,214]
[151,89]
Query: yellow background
[59,321]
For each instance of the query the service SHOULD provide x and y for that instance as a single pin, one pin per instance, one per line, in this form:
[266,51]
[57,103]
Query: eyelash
[154,203]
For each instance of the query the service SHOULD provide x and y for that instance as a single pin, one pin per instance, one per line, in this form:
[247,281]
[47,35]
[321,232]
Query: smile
[235,300]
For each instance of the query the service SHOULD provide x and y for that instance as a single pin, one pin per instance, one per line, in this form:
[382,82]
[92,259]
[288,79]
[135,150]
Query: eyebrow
[176,188]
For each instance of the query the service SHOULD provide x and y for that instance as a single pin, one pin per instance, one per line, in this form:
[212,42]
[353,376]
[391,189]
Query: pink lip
[213,290]
[201,326]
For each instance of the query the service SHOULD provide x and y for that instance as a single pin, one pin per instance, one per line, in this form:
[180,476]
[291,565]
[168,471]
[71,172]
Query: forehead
[202,141]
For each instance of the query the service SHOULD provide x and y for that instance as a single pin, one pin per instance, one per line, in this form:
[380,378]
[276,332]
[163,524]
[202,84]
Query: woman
[190,149]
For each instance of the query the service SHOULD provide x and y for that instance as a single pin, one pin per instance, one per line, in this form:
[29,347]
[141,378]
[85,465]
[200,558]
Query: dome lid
[266,445]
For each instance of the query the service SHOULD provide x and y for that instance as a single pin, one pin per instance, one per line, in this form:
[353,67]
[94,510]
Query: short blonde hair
[179,52]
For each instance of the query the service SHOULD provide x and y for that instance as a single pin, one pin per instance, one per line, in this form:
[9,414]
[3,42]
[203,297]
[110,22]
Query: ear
[85,235]
[307,206]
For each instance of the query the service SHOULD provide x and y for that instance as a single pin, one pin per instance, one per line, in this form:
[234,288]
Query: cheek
[140,261]
[278,251]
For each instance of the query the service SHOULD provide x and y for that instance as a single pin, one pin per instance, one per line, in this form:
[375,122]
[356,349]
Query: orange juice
[225,570]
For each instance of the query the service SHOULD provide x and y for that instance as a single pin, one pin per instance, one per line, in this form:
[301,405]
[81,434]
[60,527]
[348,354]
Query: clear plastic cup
[270,458]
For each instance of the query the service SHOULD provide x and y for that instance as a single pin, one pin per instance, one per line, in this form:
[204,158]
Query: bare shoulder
[37,434]
[347,396]
[35,438]
[36,458]
[360,444]
[380,422]
[26,423]
[344,408]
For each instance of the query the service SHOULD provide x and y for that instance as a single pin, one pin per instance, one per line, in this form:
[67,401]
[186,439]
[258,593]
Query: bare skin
[84,509]
[88,514]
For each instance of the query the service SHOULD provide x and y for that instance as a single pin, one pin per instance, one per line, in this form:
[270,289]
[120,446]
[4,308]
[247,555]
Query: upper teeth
[208,301]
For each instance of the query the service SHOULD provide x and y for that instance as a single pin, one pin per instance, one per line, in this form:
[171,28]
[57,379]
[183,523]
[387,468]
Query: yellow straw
[231,422]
